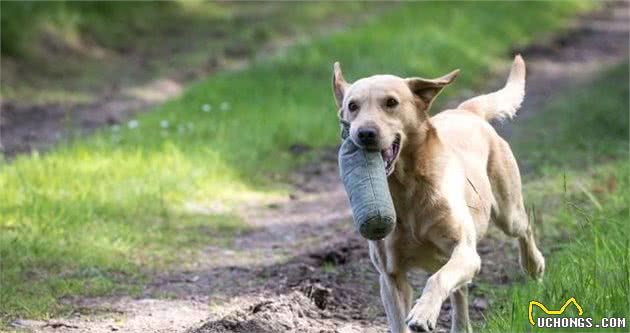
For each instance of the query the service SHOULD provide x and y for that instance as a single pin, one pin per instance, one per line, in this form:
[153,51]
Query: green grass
[582,193]
[93,215]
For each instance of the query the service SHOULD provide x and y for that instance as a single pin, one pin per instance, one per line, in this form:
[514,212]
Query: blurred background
[168,163]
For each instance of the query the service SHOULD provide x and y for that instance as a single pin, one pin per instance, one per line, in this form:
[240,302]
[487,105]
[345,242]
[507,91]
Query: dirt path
[304,269]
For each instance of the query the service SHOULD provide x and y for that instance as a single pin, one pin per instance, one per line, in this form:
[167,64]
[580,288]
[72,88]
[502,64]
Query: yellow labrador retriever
[449,175]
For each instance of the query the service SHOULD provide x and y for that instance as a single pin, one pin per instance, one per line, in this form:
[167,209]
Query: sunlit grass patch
[115,216]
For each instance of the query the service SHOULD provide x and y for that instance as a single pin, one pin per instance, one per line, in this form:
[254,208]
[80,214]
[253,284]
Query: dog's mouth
[391,154]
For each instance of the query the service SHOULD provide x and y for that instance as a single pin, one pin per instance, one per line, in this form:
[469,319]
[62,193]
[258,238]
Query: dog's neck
[420,160]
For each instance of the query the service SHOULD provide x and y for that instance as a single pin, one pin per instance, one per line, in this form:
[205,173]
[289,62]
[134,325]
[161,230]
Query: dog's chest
[418,208]
[408,248]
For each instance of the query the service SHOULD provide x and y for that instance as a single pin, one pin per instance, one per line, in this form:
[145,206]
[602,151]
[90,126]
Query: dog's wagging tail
[501,104]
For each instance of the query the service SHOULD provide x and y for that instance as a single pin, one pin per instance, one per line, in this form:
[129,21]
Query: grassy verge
[582,191]
[89,215]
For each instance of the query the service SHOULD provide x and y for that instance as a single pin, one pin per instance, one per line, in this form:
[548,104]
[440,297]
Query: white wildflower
[225,106]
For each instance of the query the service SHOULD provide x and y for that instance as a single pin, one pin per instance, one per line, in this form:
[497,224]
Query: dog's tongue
[388,154]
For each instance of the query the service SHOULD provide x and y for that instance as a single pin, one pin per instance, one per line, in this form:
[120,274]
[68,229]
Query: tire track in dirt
[304,268]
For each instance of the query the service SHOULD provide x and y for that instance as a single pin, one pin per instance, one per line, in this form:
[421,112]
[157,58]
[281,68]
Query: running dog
[449,176]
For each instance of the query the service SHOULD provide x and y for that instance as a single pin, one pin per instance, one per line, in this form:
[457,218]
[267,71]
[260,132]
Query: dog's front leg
[396,291]
[396,294]
[459,270]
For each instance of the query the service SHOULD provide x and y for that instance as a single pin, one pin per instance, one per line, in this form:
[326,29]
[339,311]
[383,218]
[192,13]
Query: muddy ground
[304,269]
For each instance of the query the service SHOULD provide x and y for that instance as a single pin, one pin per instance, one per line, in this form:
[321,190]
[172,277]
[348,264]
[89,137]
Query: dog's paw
[423,317]
[534,264]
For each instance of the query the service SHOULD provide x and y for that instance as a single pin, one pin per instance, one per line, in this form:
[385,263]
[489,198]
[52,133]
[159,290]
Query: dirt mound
[295,312]
[314,292]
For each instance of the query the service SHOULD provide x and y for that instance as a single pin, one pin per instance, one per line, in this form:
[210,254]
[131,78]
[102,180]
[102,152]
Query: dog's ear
[339,84]
[426,90]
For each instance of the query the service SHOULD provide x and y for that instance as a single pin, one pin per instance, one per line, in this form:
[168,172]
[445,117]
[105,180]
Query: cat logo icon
[552,312]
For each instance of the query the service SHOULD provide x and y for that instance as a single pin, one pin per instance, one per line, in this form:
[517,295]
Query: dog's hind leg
[459,302]
[530,258]
[516,224]
[509,213]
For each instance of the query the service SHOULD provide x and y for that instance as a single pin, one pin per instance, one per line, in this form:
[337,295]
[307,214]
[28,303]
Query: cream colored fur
[452,176]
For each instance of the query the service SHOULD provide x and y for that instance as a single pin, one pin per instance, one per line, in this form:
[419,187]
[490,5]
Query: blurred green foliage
[22,21]
[587,126]
[72,51]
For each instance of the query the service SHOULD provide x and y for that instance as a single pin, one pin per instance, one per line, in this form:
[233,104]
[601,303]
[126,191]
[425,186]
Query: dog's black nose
[368,136]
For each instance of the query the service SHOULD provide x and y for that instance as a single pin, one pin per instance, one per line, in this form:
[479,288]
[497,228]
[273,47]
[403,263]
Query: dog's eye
[391,102]
[352,106]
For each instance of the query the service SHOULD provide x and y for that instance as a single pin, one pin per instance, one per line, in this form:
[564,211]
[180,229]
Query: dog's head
[383,110]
